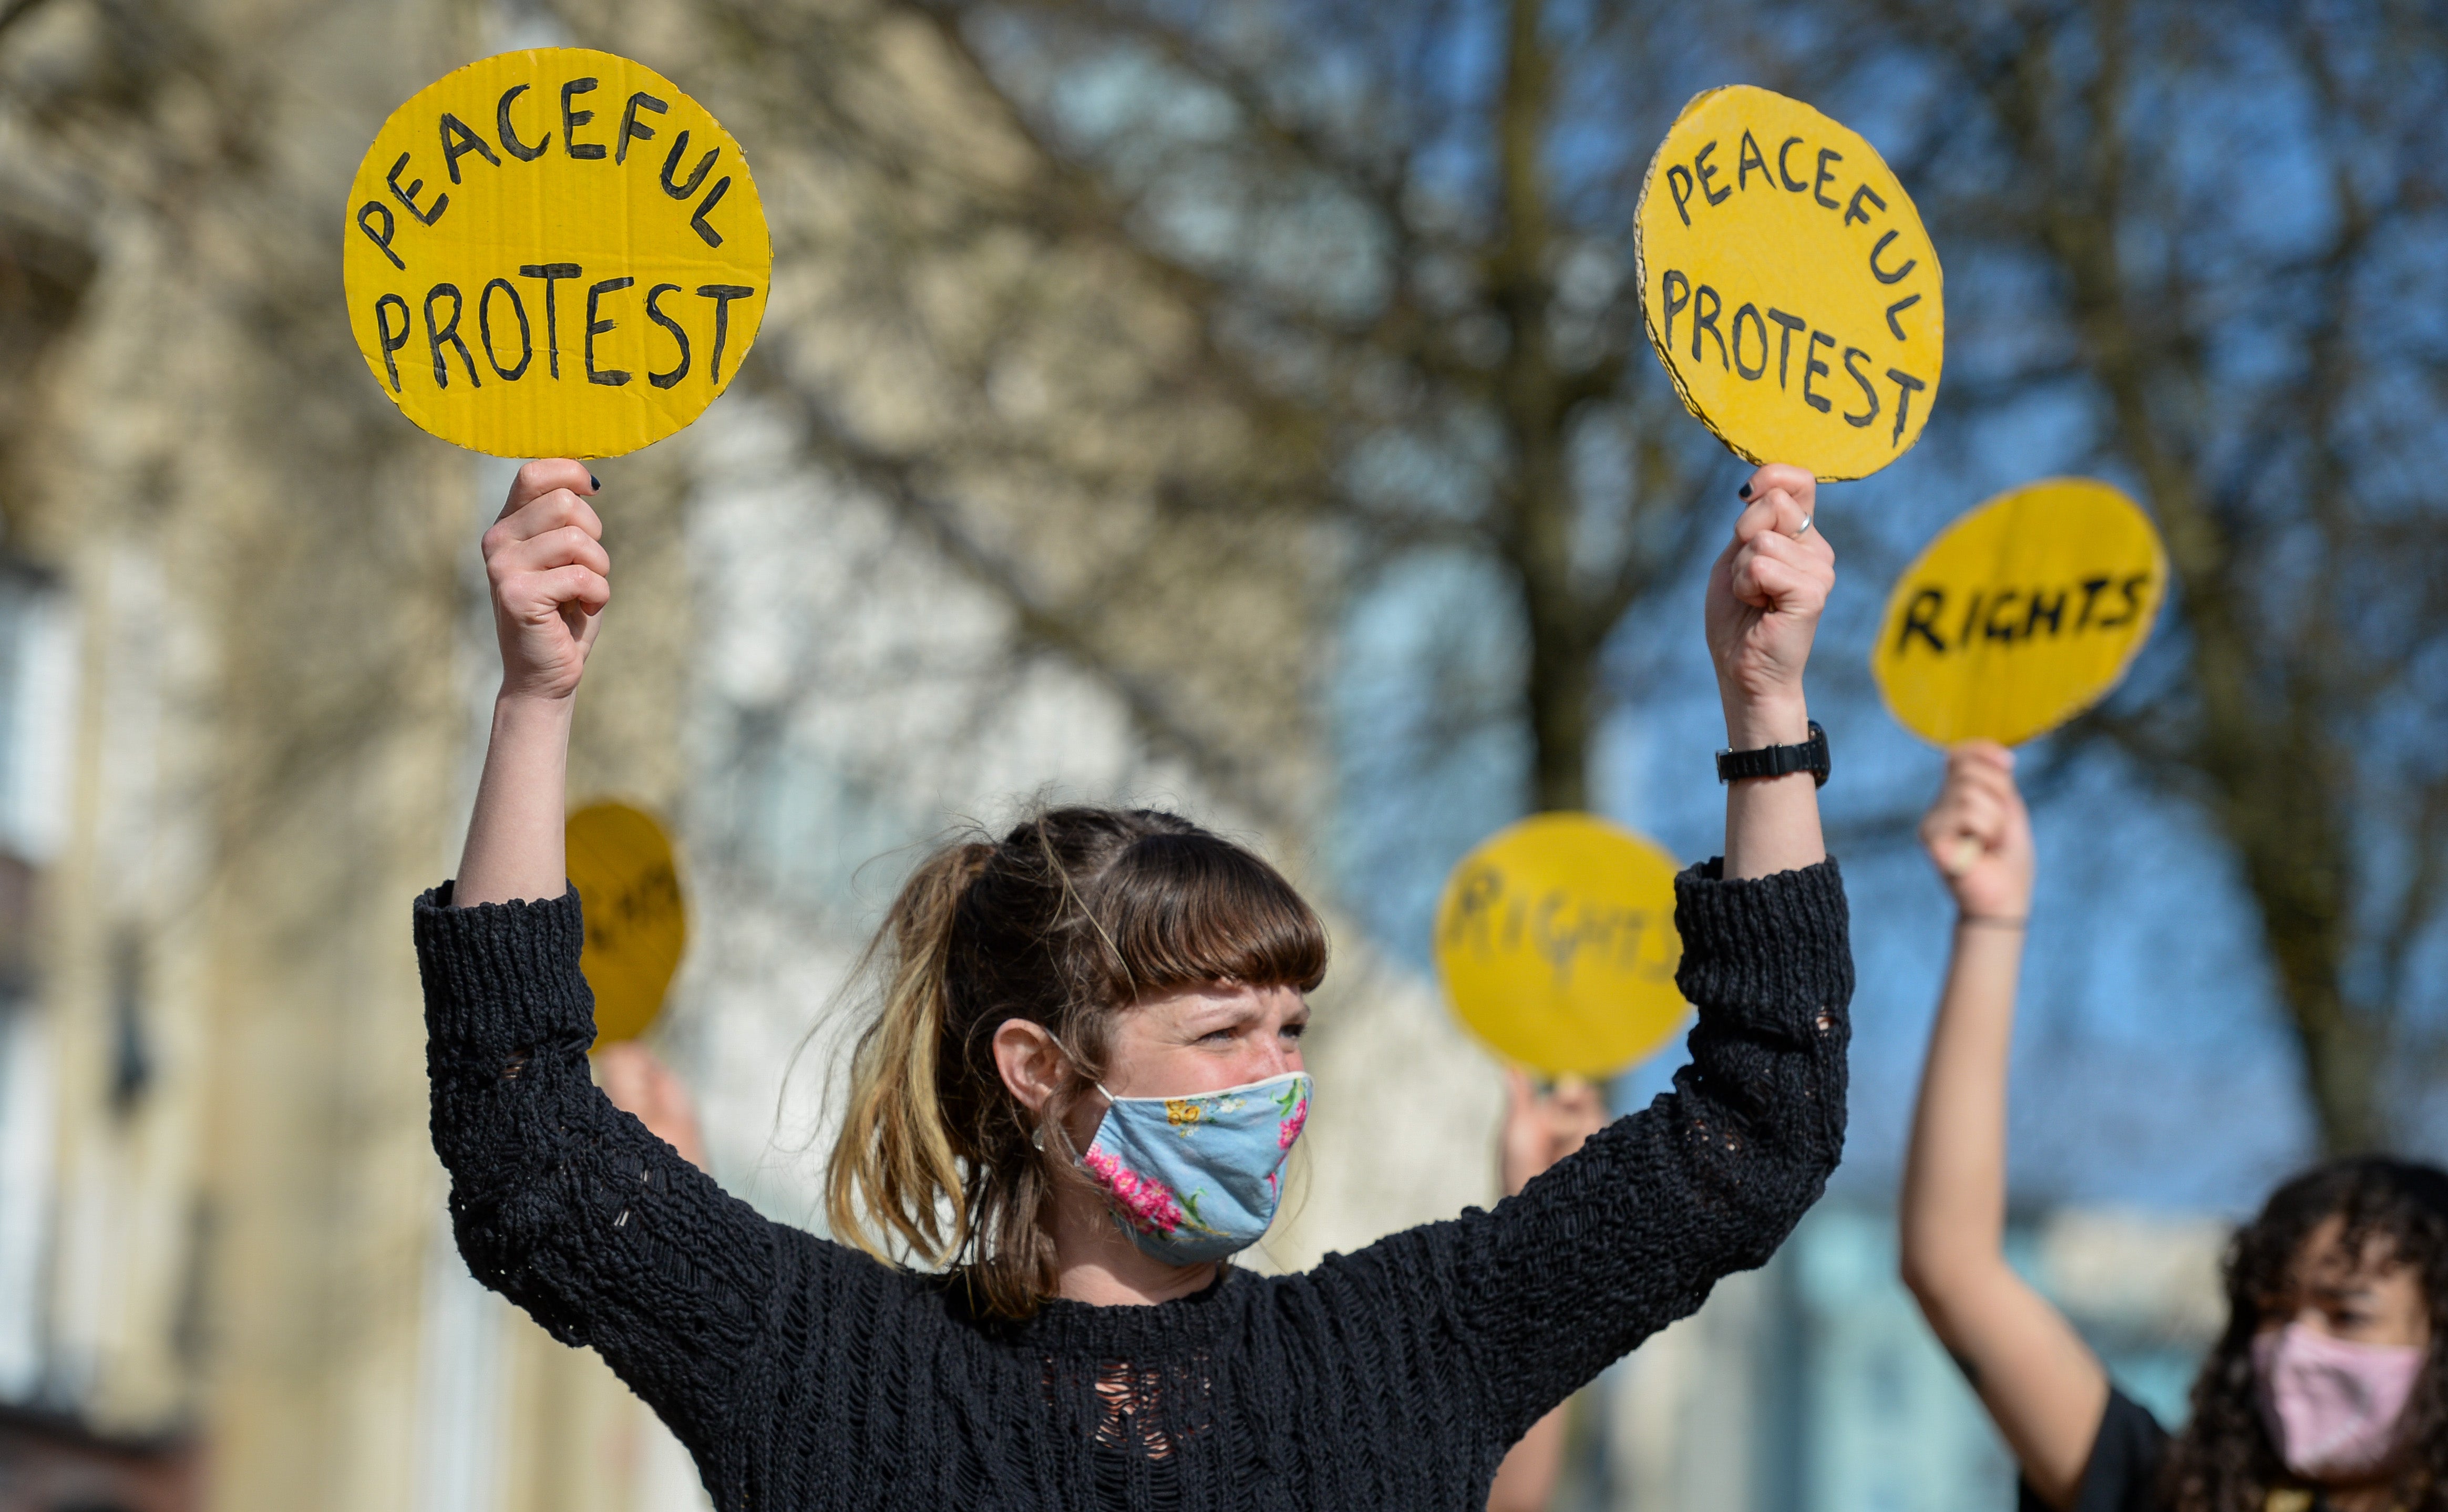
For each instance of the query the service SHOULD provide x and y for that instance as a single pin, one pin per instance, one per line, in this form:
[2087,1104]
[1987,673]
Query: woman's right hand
[550,579]
[1978,835]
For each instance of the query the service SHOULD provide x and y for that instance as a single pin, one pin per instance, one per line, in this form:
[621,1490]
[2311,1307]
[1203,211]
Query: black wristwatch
[1776,760]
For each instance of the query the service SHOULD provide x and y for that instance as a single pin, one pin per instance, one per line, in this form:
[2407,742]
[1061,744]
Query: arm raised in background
[1631,1232]
[560,1201]
[2041,1384]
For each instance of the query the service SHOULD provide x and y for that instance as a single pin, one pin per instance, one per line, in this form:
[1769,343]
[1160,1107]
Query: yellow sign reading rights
[2022,613]
[1555,941]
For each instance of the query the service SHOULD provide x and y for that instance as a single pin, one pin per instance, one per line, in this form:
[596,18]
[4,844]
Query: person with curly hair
[2328,1390]
[1071,1108]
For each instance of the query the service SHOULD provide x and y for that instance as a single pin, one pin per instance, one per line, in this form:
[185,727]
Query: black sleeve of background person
[2123,1474]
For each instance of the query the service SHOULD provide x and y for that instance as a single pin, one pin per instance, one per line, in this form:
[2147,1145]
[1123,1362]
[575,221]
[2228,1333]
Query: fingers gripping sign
[1979,835]
[1767,592]
[550,578]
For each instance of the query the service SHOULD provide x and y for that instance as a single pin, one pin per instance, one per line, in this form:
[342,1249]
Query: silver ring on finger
[1804,528]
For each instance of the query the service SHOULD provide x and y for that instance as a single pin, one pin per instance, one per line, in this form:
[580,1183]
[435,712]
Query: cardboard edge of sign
[2108,685]
[1648,315]
[764,232]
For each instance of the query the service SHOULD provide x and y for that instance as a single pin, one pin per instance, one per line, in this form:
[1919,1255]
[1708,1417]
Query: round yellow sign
[2022,613]
[637,921]
[1556,940]
[554,253]
[1789,286]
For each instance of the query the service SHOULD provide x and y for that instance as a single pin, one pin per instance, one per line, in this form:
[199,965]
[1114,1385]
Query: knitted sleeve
[562,1202]
[1631,1232]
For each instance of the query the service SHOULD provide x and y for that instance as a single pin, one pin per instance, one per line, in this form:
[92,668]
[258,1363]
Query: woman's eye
[1293,1031]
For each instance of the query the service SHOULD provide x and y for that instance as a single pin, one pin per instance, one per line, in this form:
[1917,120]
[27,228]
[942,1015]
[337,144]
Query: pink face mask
[2332,1406]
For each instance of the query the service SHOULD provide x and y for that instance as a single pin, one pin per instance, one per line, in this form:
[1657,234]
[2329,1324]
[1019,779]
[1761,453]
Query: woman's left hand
[1764,597]
[1544,1126]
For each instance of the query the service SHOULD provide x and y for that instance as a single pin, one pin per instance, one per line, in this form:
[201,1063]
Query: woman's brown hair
[2395,1211]
[1070,918]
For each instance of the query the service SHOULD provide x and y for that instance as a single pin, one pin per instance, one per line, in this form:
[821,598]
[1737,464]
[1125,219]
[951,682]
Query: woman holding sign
[1081,1082]
[2328,1389]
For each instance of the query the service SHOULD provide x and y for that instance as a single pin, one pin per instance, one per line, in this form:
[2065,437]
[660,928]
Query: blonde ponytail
[896,1166]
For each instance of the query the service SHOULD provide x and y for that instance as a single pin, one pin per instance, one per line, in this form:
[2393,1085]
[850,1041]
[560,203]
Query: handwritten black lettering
[1708,172]
[1882,274]
[1853,210]
[2091,590]
[2131,590]
[1826,155]
[2044,607]
[436,337]
[1666,288]
[1971,618]
[1705,305]
[392,340]
[1790,324]
[1920,616]
[721,293]
[1747,157]
[1758,325]
[457,142]
[408,196]
[1785,174]
[633,128]
[664,380]
[672,162]
[1898,308]
[1810,364]
[705,207]
[502,127]
[571,119]
[1867,393]
[1906,386]
[1678,183]
[612,377]
[551,272]
[1990,628]
[485,330]
[389,227]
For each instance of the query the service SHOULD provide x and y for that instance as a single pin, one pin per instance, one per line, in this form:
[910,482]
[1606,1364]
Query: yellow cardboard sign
[637,919]
[2022,613]
[1789,286]
[554,253]
[1556,940]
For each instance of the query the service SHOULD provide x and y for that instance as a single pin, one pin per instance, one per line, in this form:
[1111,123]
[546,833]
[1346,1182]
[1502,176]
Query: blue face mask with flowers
[1196,1178]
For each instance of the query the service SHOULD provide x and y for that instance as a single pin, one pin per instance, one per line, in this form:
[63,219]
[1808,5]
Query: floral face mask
[1196,1178]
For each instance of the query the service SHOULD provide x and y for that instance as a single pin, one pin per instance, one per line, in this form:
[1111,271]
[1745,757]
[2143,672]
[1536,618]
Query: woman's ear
[1029,1061]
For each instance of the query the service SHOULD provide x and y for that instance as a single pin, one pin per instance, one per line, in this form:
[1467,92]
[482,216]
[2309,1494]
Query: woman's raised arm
[550,579]
[2038,1380]
[562,1202]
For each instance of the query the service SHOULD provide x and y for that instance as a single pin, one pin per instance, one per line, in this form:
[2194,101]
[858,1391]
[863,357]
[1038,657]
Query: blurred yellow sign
[637,922]
[554,253]
[1789,288]
[2022,613]
[1556,940]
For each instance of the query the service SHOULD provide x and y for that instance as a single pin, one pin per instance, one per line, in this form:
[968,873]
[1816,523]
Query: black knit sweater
[803,1375]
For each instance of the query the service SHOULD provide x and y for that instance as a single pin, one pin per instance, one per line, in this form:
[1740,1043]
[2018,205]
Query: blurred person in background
[2328,1390]
[1542,1126]
[1070,1110]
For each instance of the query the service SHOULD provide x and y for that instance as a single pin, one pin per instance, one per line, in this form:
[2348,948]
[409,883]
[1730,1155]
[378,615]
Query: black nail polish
[1745,493]
[599,482]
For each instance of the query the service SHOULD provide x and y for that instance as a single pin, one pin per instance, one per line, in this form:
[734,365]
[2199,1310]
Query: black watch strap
[1777,760]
